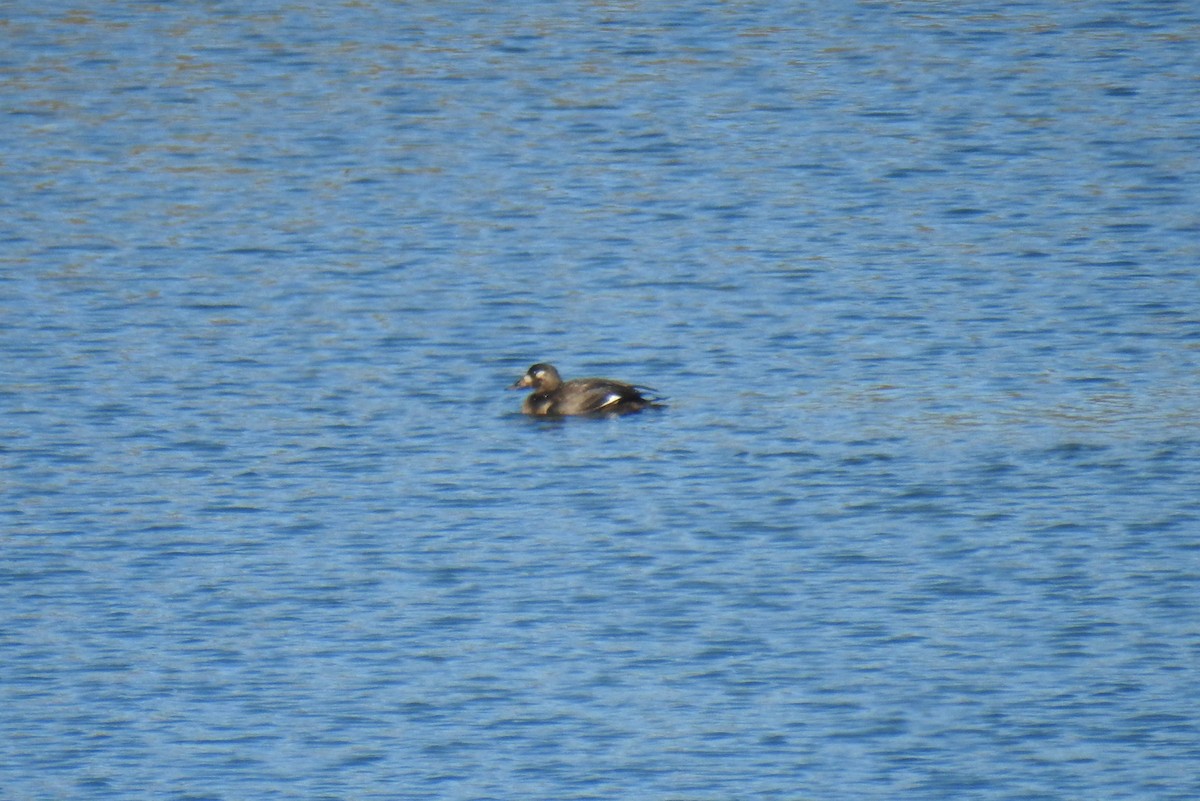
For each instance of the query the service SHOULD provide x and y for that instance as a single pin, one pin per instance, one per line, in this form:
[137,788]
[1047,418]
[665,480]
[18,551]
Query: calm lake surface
[921,280]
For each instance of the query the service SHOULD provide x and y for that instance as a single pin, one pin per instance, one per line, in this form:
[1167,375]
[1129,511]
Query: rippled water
[922,282]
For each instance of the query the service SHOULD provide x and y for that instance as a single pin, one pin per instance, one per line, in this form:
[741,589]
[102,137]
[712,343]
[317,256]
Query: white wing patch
[609,400]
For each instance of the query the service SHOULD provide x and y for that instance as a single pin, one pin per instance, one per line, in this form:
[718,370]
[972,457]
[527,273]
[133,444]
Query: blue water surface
[922,281]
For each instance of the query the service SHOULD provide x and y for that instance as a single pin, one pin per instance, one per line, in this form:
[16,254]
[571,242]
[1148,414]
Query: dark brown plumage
[580,396]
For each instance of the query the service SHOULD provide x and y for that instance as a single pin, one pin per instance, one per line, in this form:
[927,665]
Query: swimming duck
[599,396]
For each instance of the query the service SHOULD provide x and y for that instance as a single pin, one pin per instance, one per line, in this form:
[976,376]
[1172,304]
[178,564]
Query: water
[921,281]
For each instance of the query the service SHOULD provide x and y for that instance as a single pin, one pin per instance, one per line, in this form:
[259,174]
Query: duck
[554,397]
